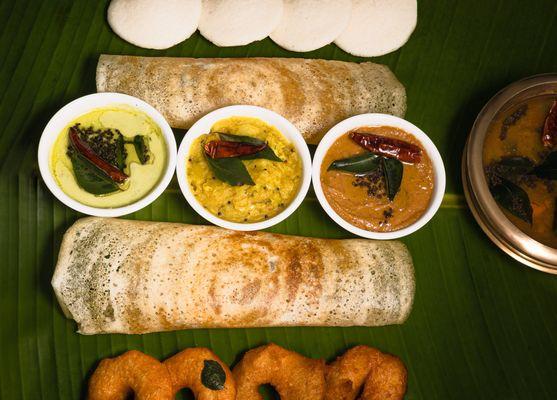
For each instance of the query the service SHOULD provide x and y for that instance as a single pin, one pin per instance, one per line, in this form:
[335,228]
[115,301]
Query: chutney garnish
[388,147]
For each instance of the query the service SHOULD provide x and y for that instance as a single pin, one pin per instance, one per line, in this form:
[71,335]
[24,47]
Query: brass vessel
[492,220]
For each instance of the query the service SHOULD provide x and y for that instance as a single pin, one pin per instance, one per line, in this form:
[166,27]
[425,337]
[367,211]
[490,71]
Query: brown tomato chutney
[362,200]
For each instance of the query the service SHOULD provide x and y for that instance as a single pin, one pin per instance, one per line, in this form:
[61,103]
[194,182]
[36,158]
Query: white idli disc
[307,25]
[378,27]
[154,24]
[239,22]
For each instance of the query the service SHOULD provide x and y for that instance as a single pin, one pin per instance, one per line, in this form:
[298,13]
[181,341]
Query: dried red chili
[549,136]
[83,148]
[388,147]
[228,149]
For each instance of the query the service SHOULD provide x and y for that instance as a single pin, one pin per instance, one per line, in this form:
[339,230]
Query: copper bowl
[492,220]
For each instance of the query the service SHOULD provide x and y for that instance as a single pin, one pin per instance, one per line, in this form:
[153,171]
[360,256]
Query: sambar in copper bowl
[510,171]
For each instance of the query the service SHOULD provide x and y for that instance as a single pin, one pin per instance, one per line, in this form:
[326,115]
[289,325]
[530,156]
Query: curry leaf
[364,164]
[90,177]
[267,153]
[513,166]
[213,376]
[361,164]
[511,197]
[548,168]
[230,170]
[141,148]
[120,153]
[239,138]
[392,172]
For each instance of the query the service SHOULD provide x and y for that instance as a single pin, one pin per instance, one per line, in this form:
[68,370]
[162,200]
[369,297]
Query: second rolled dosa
[121,276]
[313,94]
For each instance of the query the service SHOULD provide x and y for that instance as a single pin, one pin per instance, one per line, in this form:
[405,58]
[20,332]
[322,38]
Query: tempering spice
[512,120]
[373,182]
[108,144]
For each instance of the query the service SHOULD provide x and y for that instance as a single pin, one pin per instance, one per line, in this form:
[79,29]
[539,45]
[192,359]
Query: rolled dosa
[121,276]
[313,94]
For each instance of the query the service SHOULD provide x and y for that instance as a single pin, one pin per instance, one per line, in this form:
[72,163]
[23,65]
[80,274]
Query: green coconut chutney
[142,177]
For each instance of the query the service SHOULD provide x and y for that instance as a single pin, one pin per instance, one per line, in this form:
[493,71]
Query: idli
[378,27]
[239,22]
[154,24]
[310,24]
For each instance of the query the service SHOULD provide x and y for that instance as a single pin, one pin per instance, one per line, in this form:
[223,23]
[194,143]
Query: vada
[201,371]
[132,373]
[293,376]
[382,376]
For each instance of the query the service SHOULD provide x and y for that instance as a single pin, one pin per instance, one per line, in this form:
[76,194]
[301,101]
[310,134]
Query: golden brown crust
[292,375]
[185,370]
[387,380]
[382,376]
[313,94]
[132,372]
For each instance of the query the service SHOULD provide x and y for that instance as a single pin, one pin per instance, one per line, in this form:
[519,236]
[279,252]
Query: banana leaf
[483,325]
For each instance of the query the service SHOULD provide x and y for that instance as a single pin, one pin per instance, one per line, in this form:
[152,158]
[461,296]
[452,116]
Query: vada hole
[361,390]
[268,392]
[185,394]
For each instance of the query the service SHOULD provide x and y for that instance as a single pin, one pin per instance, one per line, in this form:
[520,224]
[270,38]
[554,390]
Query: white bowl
[203,126]
[380,120]
[82,106]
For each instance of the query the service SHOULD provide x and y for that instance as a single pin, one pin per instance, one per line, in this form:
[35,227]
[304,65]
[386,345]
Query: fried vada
[201,371]
[293,376]
[382,376]
[132,373]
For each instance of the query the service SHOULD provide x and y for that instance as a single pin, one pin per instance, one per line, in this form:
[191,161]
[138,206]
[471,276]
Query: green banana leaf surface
[483,326]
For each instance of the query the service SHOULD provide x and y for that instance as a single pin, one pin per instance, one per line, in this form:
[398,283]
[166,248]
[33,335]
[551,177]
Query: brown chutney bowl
[486,211]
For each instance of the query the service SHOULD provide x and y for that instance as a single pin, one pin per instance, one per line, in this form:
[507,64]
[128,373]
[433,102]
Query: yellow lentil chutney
[275,183]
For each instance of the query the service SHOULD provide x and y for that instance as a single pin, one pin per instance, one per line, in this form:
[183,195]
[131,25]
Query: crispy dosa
[313,94]
[122,276]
